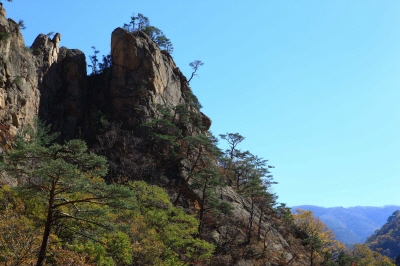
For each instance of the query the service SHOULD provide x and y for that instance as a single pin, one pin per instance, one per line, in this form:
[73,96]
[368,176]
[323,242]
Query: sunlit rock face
[142,75]
[19,94]
[41,80]
[51,82]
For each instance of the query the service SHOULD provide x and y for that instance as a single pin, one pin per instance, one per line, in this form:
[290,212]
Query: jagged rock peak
[48,46]
[43,80]
[140,69]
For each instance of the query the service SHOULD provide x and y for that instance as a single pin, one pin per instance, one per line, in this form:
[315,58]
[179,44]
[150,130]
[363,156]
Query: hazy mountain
[353,224]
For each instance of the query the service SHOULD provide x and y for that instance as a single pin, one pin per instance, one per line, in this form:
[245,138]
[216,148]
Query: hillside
[386,240]
[117,167]
[141,122]
[354,224]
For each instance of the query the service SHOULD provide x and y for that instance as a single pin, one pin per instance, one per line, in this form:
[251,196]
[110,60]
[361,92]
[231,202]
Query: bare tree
[195,66]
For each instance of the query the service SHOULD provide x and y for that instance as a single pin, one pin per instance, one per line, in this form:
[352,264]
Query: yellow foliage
[314,227]
[367,257]
[58,255]
[147,248]
[19,240]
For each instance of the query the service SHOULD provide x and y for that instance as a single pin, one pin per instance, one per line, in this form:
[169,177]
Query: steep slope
[386,240]
[351,225]
[140,107]
[42,80]
[143,78]
[19,95]
[139,66]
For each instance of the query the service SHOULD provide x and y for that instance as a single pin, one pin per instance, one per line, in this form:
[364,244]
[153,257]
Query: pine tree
[201,148]
[65,179]
[205,182]
[164,234]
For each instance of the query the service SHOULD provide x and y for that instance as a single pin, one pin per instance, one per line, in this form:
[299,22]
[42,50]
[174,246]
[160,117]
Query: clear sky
[313,85]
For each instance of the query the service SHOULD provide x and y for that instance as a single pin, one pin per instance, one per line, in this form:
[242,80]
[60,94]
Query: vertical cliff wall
[19,94]
[42,79]
[51,81]
[142,75]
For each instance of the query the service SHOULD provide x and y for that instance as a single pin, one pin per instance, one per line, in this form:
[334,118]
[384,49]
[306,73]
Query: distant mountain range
[354,224]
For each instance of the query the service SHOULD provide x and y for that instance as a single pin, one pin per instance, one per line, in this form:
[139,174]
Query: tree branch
[88,200]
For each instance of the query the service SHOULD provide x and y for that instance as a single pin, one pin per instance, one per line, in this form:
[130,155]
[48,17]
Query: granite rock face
[48,48]
[43,80]
[61,81]
[51,82]
[19,95]
[142,76]
[63,90]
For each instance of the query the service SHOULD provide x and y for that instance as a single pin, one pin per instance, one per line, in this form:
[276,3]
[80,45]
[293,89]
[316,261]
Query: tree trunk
[182,189]
[202,206]
[259,226]
[312,258]
[250,221]
[47,228]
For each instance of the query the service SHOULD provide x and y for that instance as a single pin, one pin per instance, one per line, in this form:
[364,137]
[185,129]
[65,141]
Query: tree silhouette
[195,66]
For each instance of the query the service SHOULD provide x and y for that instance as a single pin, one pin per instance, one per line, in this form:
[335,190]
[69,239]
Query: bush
[4,36]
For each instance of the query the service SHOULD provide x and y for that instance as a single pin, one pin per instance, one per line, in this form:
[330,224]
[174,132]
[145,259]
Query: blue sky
[314,86]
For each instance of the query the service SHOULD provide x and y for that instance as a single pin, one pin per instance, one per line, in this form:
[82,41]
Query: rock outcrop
[19,94]
[43,80]
[51,82]
[142,76]
[63,89]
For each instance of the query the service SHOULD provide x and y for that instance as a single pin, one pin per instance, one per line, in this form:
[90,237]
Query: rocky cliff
[142,75]
[51,82]
[19,89]
[42,79]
